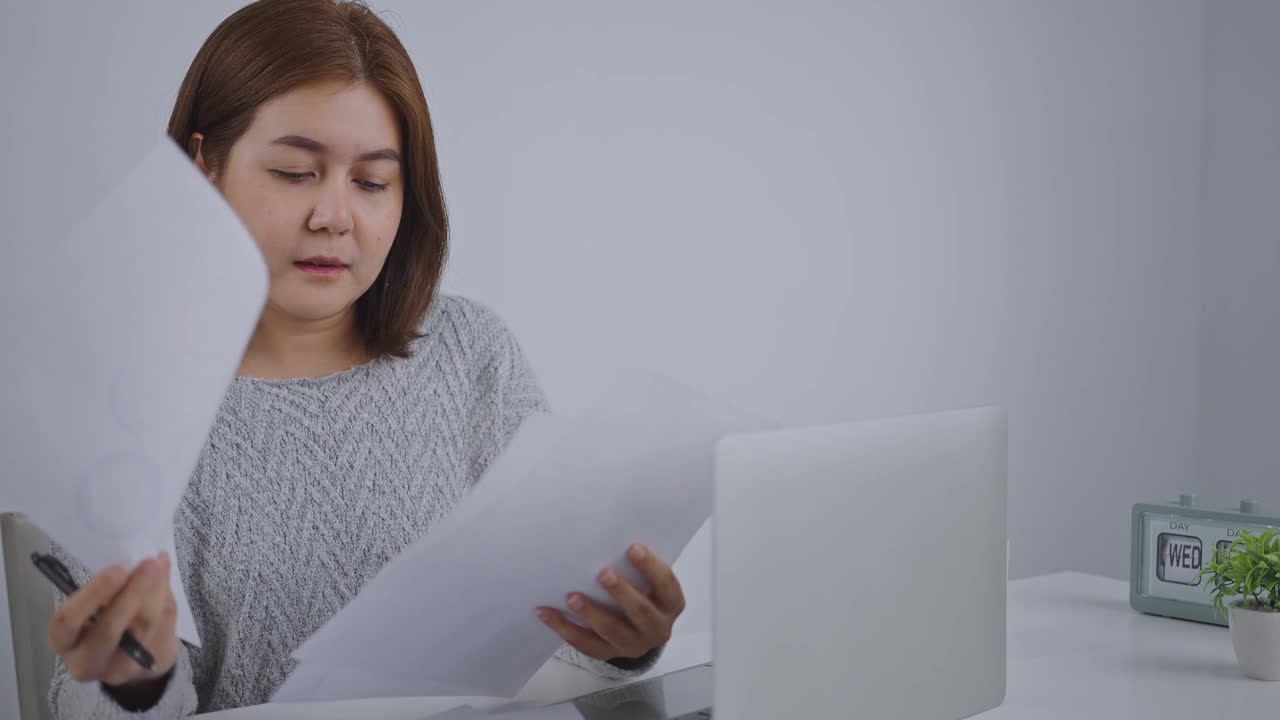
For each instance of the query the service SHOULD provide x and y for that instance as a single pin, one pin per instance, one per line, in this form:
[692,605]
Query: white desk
[1076,650]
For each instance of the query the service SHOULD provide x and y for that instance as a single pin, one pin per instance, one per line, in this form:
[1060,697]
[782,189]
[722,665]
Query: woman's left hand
[648,621]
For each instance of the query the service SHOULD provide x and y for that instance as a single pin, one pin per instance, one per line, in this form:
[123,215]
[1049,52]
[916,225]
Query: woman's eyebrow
[315,146]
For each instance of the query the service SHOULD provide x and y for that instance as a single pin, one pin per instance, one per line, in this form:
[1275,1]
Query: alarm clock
[1172,542]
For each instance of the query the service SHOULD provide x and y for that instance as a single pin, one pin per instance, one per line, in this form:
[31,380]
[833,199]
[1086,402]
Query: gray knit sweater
[306,487]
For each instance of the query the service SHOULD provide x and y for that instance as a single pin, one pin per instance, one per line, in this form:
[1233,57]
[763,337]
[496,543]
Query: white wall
[1241,253]
[839,210]
[820,210]
[1104,296]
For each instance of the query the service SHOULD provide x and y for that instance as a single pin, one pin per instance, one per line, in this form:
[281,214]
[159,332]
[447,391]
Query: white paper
[380,708]
[465,712]
[693,567]
[121,340]
[454,614]
[555,712]
[555,682]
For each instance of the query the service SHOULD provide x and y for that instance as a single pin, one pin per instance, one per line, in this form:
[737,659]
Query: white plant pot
[1255,634]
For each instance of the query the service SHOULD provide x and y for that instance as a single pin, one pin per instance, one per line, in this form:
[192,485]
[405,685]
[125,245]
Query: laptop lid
[859,569]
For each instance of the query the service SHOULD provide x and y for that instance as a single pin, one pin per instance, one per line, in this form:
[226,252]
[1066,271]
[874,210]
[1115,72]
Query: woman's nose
[332,212]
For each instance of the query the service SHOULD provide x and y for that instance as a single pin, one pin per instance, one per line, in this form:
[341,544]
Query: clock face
[1175,547]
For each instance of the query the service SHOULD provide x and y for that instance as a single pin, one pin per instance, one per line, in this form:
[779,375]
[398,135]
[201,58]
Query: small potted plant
[1245,583]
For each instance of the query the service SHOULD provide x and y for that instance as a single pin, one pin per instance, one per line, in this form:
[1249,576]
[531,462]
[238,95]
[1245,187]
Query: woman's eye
[291,176]
[371,186]
[297,178]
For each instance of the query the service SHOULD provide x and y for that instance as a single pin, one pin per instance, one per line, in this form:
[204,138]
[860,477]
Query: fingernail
[164,558]
[117,574]
[638,552]
[543,614]
[576,602]
[150,566]
[609,578]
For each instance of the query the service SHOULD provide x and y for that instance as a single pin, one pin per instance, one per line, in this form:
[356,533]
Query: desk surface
[1076,649]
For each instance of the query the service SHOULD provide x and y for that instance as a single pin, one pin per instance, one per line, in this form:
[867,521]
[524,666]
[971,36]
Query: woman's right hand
[139,602]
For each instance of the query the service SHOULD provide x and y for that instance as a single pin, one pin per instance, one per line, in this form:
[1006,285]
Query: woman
[365,405]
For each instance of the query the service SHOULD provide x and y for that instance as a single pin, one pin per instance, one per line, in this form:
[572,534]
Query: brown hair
[272,46]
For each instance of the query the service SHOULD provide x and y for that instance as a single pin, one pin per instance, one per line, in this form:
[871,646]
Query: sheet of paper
[380,708]
[555,682]
[120,342]
[453,614]
[693,567]
[556,712]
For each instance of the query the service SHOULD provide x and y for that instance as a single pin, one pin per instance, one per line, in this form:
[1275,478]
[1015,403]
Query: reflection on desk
[684,694]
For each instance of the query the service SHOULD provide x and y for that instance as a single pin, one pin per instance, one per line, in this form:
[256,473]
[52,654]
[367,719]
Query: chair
[31,604]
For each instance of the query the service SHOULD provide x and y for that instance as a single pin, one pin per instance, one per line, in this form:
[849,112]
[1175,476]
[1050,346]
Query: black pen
[52,568]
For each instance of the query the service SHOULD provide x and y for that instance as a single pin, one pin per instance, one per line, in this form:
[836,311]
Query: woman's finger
[653,625]
[583,640]
[618,632]
[68,622]
[102,639]
[162,638]
[162,643]
[662,579]
[151,613]
[148,627]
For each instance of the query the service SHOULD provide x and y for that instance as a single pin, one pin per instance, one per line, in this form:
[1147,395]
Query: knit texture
[307,487]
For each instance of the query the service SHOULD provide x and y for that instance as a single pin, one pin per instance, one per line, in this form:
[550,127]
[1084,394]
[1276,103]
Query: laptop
[859,570]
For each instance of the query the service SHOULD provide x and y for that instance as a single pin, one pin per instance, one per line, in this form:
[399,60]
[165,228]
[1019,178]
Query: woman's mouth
[321,267]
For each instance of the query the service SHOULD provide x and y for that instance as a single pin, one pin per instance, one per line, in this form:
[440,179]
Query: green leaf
[1249,567]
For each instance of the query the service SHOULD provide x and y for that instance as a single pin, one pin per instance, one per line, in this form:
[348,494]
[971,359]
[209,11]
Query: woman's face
[317,181]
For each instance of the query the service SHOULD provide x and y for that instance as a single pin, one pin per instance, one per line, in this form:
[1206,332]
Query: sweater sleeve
[73,700]
[70,699]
